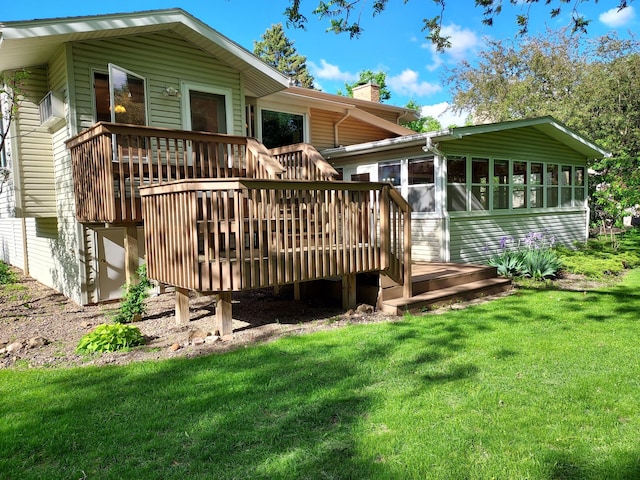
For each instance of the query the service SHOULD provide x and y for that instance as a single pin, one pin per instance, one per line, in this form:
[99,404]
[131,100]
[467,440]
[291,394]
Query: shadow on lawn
[564,467]
[294,409]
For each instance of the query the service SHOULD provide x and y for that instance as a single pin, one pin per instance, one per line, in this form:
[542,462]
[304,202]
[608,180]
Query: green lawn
[543,384]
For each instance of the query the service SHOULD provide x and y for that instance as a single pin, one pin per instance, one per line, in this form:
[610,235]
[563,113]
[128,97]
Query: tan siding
[11,248]
[471,235]
[384,114]
[164,59]
[426,239]
[351,132]
[322,128]
[521,144]
[34,152]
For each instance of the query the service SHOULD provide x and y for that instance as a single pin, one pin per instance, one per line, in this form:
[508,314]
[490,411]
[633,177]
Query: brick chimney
[368,91]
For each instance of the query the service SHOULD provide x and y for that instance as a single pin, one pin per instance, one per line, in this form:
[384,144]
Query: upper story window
[282,128]
[125,91]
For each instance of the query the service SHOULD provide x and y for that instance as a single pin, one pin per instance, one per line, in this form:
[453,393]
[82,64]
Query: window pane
[422,198]
[552,197]
[519,173]
[360,177]
[501,172]
[480,197]
[500,197]
[208,112]
[480,170]
[536,174]
[101,97]
[421,171]
[565,175]
[456,170]
[579,196]
[456,198]
[128,97]
[579,176]
[552,174]
[537,197]
[280,128]
[519,199]
[389,172]
[566,196]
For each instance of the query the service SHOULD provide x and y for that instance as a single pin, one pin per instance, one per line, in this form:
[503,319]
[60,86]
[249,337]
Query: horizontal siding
[11,246]
[521,144]
[474,238]
[164,59]
[351,132]
[322,128]
[426,236]
[34,153]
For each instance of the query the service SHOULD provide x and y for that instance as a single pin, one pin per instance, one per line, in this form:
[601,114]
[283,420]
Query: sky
[392,41]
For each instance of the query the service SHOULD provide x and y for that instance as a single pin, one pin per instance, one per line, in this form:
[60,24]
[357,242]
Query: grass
[543,384]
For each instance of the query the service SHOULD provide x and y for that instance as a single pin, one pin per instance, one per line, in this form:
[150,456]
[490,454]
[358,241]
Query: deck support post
[131,254]
[182,306]
[296,291]
[224,319]
[349,291]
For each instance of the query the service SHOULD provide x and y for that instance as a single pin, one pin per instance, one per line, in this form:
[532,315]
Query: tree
[590,85]
[341,15]
[369,76]
[12,94]
[422,124]
[278,51]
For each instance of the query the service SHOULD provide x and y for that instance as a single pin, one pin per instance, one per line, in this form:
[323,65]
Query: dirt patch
[42,328]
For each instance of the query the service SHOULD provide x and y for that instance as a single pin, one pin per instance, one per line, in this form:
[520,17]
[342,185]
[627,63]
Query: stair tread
[448,291]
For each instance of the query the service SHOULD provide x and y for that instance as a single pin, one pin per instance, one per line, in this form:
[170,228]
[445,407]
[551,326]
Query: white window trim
[185,87]
[111,66]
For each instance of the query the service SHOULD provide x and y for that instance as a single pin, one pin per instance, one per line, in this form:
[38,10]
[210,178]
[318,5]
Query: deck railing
[111,161]
[236,234]
[303,162]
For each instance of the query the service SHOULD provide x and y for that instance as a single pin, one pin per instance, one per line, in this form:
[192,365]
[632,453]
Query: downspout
[336,137]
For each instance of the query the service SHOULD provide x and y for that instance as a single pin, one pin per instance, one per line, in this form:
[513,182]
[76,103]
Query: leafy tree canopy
[278,51]
[590,85]
[423,123]
[369,76]
[344,15]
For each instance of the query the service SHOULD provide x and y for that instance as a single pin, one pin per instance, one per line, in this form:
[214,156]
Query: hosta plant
[109,338]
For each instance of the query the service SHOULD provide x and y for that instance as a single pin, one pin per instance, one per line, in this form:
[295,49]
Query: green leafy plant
[133,302]
[6,275]
[110,337]
[532,257]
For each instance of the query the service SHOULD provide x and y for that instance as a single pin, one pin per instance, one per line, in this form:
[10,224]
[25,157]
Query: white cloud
[328,71]
[463,42]
[441,112]
[408,83]
[618,18]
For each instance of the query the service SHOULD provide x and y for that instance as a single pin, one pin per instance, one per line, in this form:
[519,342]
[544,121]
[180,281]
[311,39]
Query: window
[389,172]
[536,177]
[501,181]
[479,184]
[281,128]
[102,105]
[123,89]
[566,182]
[519,195]
[208,112]
[552,185]
[421,189]
[456,184]
[580,184]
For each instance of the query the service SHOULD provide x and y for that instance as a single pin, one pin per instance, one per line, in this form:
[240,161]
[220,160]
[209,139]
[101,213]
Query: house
[150,134]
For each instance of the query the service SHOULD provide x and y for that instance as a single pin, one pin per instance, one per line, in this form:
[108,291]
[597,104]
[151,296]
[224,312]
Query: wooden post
[224,319]
[131,254]
[349,291]
[296,291]
[182,306]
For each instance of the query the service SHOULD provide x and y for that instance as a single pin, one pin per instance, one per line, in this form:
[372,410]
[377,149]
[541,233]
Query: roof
[348,106]
[547,125]
[33,42]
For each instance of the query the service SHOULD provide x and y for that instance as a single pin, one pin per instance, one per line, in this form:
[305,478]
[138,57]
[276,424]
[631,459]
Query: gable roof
[547,125]
[33,42]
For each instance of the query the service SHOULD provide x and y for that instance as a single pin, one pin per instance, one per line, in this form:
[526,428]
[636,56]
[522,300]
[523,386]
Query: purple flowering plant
[532,256]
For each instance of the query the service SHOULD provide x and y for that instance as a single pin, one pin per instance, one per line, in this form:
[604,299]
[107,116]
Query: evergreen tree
[278,51]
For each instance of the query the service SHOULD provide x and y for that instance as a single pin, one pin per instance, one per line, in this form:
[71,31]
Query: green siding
[164,59]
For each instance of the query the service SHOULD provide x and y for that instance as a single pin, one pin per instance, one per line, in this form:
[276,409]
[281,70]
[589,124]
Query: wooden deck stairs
[439,284]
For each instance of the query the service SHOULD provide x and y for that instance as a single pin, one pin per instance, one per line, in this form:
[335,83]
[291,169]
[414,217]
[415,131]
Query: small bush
[6,275]
[133,305]
[110,337]
[532,257]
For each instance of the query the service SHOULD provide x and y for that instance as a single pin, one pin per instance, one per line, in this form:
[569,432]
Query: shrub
[6,275]
[110,337]
[533,257]
[133,305]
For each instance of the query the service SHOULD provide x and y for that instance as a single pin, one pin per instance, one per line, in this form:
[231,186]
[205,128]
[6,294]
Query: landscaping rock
[174,347]
[201,334]
[197,341]
[212,339]
[364,308]
[14,347]
[37,342]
